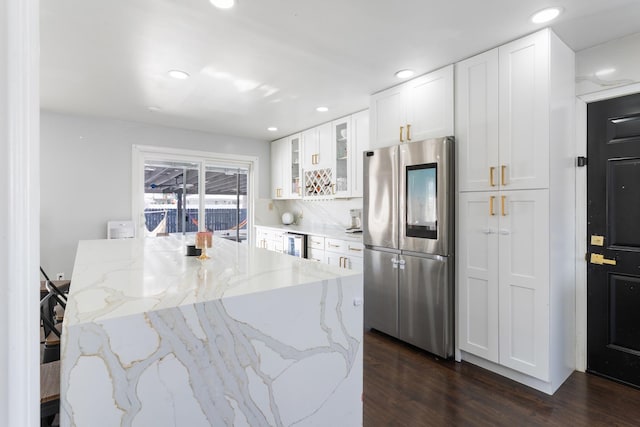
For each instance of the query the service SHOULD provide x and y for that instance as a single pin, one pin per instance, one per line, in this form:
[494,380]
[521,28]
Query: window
[181,192]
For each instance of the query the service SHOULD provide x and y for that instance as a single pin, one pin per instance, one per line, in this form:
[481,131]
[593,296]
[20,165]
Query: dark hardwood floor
[404,386]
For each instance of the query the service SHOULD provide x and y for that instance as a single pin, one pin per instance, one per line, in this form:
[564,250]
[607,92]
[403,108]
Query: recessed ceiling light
[546,15]
[178,74]
[405,74]
[605,71]
[223,4]
[322,109]
[272,128]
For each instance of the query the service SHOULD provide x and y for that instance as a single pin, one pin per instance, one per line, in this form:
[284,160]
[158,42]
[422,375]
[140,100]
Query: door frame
[142,152]
[581,214]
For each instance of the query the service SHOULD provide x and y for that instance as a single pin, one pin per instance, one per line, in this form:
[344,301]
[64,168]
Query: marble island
[248,337]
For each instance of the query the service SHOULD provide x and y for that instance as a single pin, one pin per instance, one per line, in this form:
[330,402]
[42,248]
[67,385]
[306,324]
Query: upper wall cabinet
[279,159]
[418,109]
[317,151]
[477,121]
[350,136]
[360,142]
[503,116]
[322,162]
[286,173]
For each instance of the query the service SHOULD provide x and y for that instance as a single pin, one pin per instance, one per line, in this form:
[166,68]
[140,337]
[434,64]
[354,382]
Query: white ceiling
[272,62]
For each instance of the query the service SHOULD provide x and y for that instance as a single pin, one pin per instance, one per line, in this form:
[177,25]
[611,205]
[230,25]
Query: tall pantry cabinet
[516,213]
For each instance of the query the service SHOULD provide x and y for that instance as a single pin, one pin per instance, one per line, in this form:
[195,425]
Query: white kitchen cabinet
[286,171]
[350,136]
[345,254]
[477,122]
[418,109]
[523,240]
[478,275]
[315,248]
[516,284]
[503,107]
[360,143]
[341,137]
[316,255]
[270,239]
[504,278]
[294,171]
[317,147]
[279,160]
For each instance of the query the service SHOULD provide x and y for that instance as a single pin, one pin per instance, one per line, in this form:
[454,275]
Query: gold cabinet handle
[401,129]
[502,198]
[333,188]
[408,132]
[317,158]
[502,170]
[492,171]
[491,199]
[354,249]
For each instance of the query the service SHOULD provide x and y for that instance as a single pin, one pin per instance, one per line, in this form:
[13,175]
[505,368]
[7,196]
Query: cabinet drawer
[315,242]
[315,254]
[335,245]
[344,247]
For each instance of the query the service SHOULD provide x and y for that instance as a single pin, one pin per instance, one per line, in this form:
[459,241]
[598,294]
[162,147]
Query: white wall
[620,54]
[317,213]
[86,175]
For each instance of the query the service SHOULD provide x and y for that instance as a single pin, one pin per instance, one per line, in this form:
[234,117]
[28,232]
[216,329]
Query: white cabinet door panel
[524,112]
[360,144]
[430,105]
[478,275]
[524,282]
[387,111]
[477,122]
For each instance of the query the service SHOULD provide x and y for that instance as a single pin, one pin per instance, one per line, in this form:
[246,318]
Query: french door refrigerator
[408,232]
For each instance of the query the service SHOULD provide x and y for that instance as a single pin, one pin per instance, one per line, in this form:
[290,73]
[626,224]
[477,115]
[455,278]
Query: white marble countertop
[117,278]
[333,232]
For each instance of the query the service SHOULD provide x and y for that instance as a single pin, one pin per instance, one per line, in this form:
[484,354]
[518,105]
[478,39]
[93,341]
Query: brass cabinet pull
[502,205]
[502,169]
[491,199]
[333,188]
[331,245]
[317,158]
[492,170]
[354,249]
[401,129]
[408,132]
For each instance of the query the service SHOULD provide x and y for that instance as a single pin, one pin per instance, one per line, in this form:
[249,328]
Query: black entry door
[613,239]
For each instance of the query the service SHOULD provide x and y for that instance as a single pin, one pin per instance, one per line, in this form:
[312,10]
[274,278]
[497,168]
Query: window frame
[143,153]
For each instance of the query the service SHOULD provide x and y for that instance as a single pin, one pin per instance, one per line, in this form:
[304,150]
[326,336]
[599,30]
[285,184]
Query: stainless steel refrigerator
[408,232]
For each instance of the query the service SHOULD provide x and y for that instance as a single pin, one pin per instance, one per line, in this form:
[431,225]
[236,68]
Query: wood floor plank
[404,386]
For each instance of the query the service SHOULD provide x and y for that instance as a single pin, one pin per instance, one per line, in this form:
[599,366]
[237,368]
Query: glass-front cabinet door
[295,148]
[341,136]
